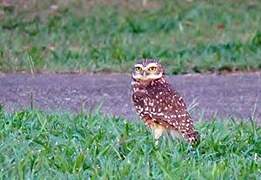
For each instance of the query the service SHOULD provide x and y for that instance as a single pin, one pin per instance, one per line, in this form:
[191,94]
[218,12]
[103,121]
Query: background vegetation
[108,35]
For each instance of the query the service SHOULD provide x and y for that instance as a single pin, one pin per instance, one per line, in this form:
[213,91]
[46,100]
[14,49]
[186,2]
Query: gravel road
[237,95]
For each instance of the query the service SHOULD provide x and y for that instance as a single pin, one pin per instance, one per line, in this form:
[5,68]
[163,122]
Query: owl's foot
[156,142]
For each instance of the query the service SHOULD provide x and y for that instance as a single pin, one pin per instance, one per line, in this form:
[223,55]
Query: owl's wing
[169,109]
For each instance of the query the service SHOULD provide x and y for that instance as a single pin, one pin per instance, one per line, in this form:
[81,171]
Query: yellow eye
[138,69]
[152,69]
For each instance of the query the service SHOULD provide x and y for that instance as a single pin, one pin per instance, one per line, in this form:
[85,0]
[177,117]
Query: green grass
[36,145]
[197,36]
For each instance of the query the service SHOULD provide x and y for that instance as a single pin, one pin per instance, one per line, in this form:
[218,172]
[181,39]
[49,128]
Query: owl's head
[147,70]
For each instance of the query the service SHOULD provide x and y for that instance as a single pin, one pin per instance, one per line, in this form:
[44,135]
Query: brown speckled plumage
[161,107]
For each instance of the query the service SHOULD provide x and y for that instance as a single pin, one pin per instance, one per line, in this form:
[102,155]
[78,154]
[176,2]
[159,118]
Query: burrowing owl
[158,104]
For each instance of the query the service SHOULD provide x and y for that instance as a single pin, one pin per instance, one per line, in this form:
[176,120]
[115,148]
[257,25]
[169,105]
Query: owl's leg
[157,132]
[175,134]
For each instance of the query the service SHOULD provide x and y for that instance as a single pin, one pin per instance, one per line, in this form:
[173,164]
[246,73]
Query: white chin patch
[154,76]
[137,77]
[149,77]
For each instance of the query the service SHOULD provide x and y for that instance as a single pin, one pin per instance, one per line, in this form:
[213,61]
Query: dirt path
[237,95]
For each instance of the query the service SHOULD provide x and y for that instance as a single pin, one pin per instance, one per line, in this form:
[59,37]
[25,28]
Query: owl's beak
[141,77]
[144,76]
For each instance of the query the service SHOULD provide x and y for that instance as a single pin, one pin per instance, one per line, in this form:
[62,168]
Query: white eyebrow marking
[139,65]
[151,65]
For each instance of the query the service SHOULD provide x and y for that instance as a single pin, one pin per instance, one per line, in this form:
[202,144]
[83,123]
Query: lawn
[83,36]
[36,145]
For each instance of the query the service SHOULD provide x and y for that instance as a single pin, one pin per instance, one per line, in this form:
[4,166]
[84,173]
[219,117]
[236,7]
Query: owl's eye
[138,69]
[152,69]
